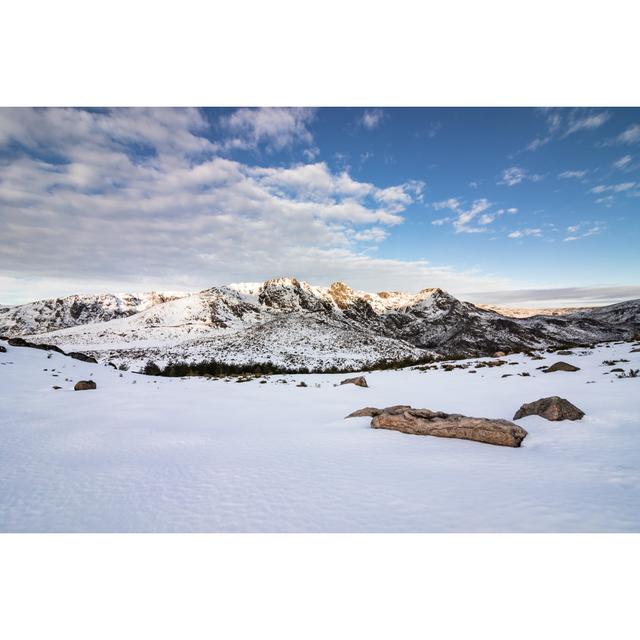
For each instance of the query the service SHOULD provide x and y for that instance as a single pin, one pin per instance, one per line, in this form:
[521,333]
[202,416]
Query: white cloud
[521,233]
[274,127]
[179,216]
[630,135]
[572,174]
[515,175]
[615,188]
[593,121]
[623,162]
[372,118]
[562,122]
[592,229]
[462,221]
[373,234]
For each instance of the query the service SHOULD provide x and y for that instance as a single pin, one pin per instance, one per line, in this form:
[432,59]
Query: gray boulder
[359,381]
[553,408]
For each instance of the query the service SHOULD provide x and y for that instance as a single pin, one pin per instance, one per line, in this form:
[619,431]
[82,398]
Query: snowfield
[181,455]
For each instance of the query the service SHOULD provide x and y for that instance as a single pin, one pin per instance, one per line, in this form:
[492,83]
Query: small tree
[151,369]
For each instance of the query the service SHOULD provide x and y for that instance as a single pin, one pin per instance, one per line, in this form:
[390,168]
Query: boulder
[370,412]
[84,385]
[552,408]
[450,425]
[83,357]
[359,381]
[499,354]
[561,366]
[3,349]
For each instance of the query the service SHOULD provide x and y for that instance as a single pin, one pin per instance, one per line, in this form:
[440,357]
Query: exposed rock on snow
[370,412]
[83,357]
[450,425]
[3,349]
[561,366]
[84,385]
[359,381]
[21,342]
[553,408]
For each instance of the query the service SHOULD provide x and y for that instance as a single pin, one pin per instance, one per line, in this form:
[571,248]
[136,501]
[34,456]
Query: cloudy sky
[524,206]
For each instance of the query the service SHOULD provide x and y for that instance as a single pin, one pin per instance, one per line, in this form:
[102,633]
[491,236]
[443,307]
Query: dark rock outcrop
[561,366]
[21,342]
[553,408]
[83,357]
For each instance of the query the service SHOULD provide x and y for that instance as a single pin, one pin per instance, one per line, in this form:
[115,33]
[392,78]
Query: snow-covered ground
[165,454]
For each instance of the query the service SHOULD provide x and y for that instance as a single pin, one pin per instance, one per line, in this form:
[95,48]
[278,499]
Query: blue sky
[528,206]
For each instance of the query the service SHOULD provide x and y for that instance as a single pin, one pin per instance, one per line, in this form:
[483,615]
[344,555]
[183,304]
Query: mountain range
[293,324]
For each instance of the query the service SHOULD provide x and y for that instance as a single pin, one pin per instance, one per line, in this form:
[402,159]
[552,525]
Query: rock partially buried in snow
[84,385]
[561,366]
[359,381]
[552,408]
[450,425]
[82,357]
[371,412]
[499,354]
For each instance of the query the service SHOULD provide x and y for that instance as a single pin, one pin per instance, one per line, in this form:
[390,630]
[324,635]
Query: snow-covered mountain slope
[59,313]
[293,324]
[142,453]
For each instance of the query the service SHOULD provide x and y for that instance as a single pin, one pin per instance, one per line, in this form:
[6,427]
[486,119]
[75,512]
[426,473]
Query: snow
[166,454]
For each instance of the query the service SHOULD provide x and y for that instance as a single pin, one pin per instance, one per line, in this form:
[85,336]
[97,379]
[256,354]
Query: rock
[368,412]
[499,354]
[359,381]
[84,385]
[634,351]
[552,408]
[83,357]
[564,352]
[3,349]
[451,425]
[373,411]
[301,384]
[21,342]
[56,387]
[561,366]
